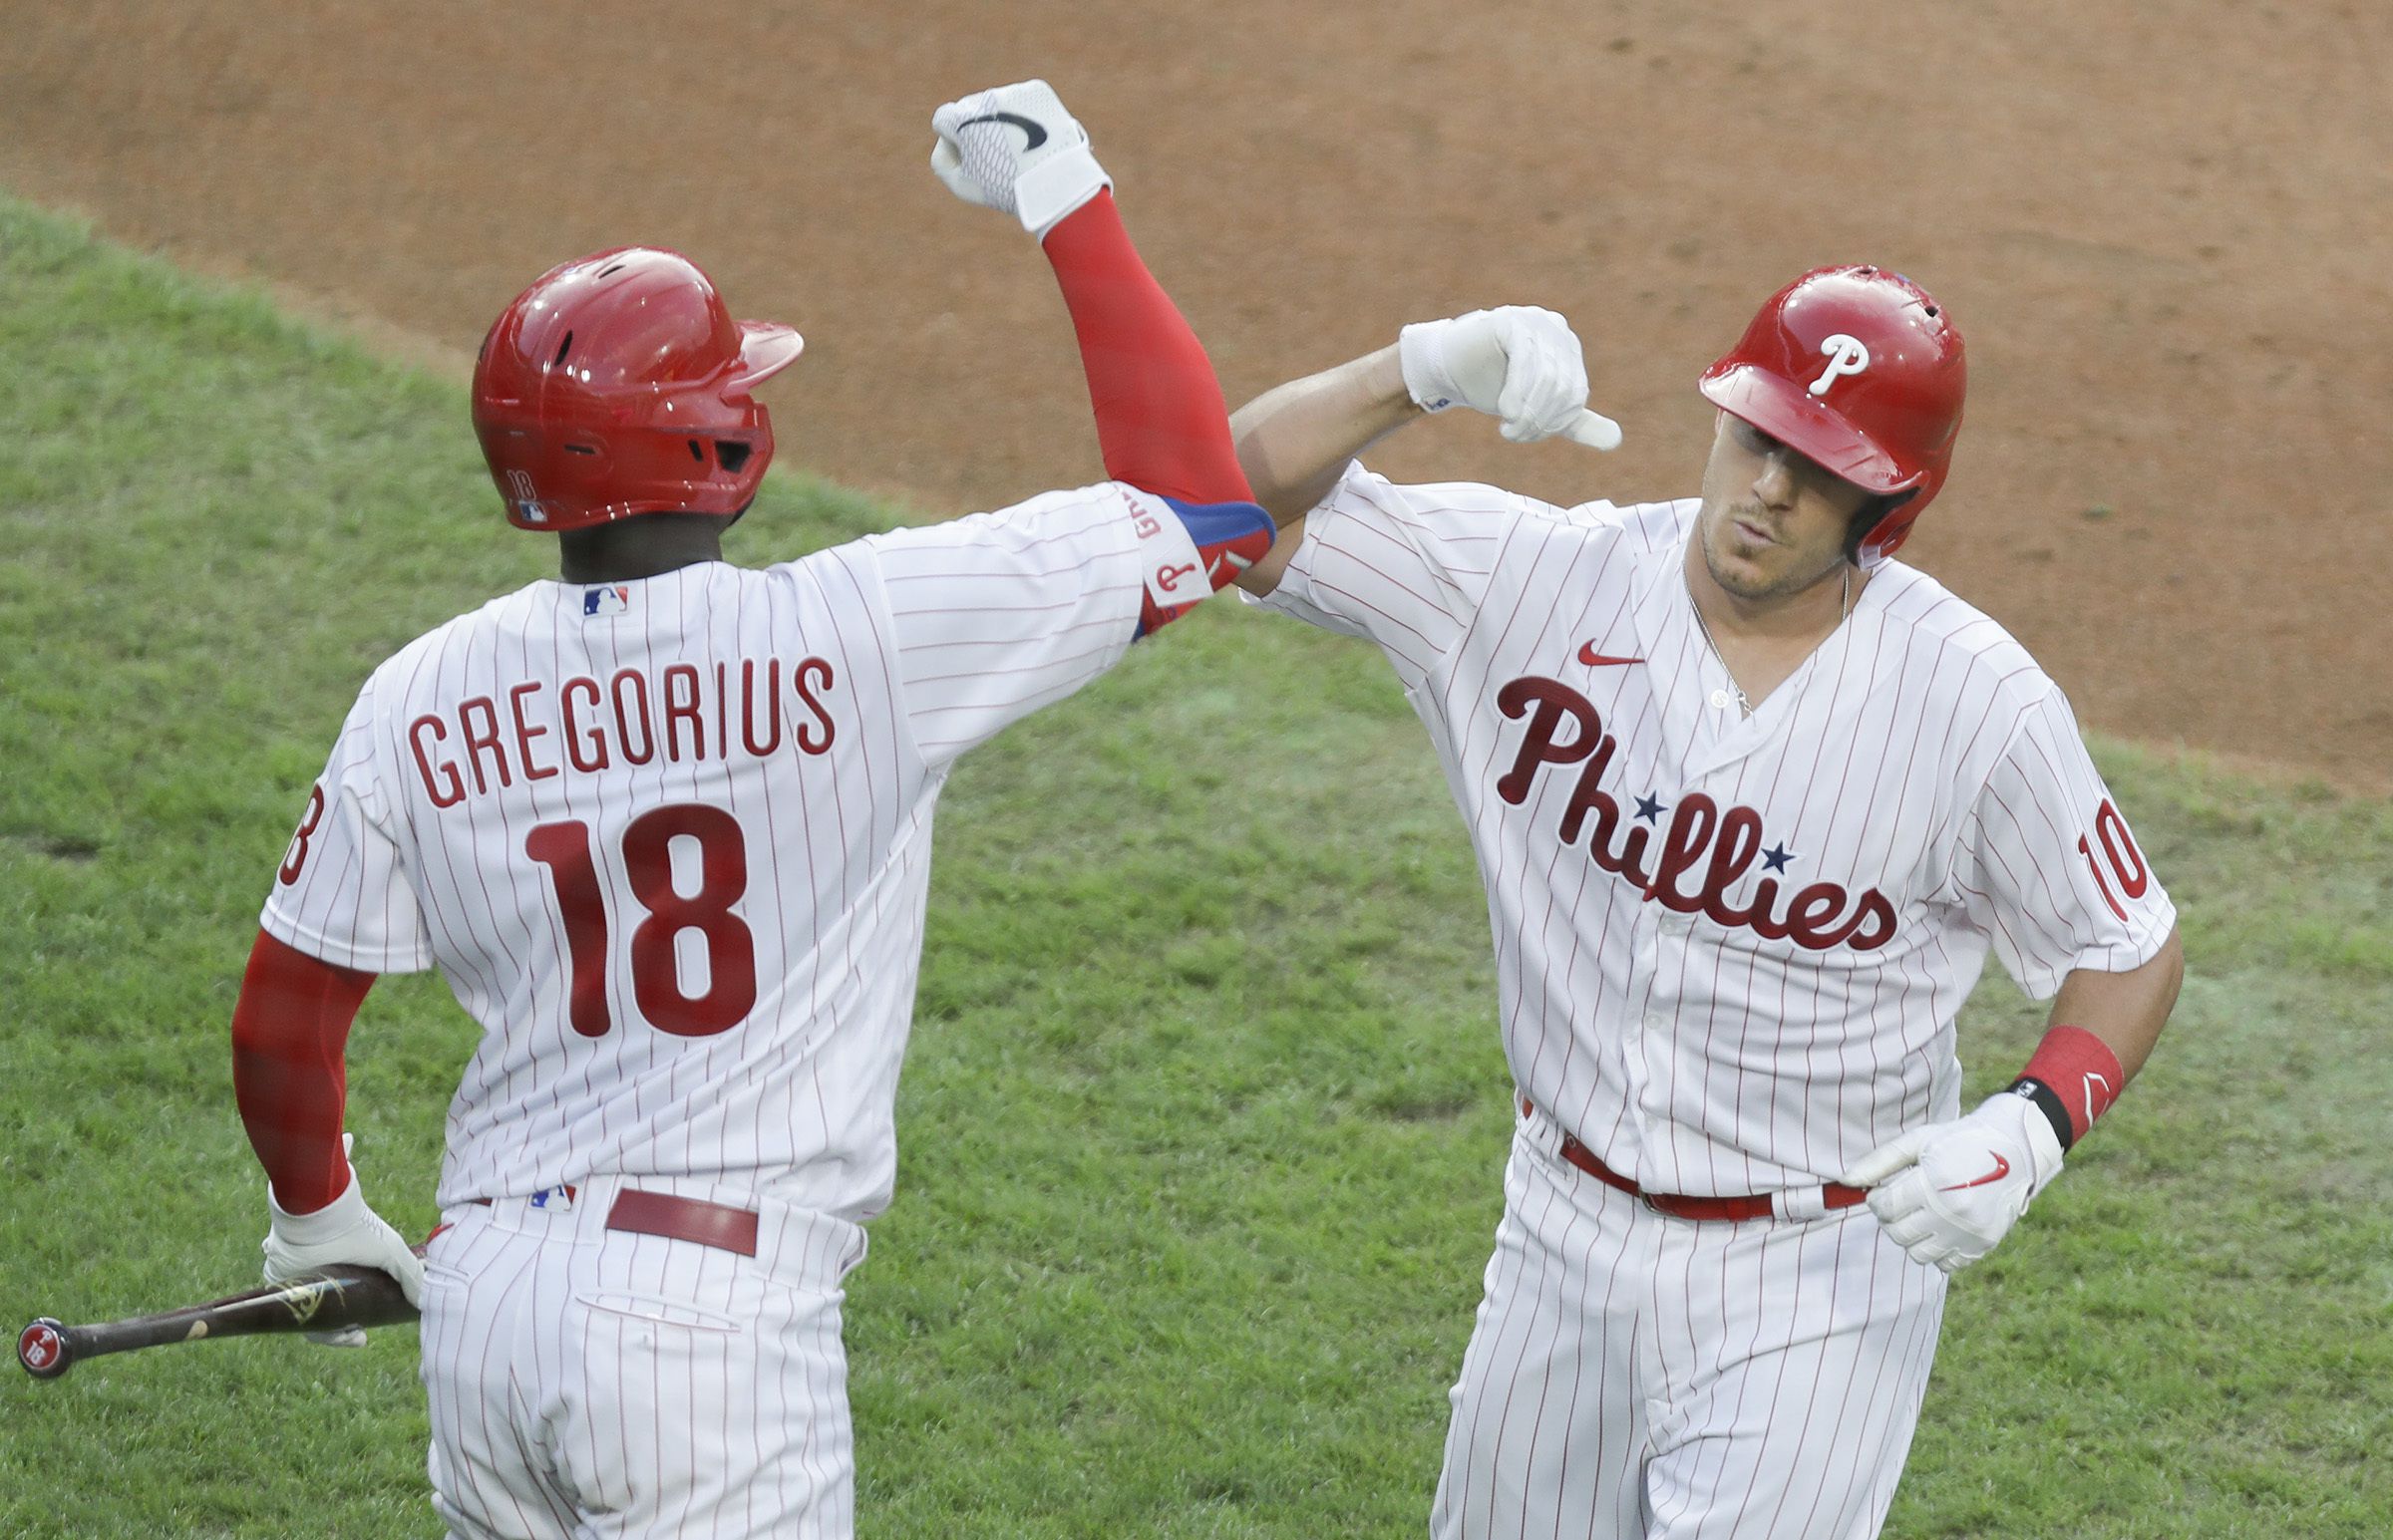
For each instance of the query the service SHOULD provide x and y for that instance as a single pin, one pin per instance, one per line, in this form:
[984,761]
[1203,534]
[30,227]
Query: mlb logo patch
[613,599]
[525,497]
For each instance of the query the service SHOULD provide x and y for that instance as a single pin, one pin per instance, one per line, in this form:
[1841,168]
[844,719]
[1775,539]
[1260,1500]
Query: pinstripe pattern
[1920,753]
[914,646]
[585,1382]
[1633,1375]
[480,810]
[1730,951]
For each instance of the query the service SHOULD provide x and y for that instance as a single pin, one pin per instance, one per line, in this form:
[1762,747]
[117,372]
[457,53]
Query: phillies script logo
[1690,863]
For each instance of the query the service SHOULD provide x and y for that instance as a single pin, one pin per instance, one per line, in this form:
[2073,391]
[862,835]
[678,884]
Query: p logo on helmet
[1884,408]
[1845,356]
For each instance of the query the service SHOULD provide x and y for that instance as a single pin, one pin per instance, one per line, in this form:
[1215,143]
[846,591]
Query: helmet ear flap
[1869,520]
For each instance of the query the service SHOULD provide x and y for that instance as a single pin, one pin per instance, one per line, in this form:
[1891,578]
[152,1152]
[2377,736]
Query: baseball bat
[323,1300]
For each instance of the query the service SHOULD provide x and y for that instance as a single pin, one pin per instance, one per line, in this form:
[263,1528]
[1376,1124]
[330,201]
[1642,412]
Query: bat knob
[42,1349]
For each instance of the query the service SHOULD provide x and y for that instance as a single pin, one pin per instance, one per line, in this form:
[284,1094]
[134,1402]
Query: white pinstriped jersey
[1730,950]
[669,839]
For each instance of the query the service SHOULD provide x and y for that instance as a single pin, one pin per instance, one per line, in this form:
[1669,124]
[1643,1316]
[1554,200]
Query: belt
[677,1219]
[684,1219]
[1759,1205]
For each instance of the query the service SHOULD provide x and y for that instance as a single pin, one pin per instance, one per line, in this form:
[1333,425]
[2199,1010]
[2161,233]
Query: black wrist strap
[2048,1102]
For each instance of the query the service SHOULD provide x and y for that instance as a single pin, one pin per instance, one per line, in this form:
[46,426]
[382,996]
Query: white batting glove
[1948,1193]
[1016,149]
[344,1230]
[1519,363]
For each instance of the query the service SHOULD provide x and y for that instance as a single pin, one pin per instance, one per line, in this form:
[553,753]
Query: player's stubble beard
[1805,575]
[1806,519]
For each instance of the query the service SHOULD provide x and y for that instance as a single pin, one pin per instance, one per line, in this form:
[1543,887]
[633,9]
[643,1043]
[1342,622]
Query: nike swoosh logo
[1036,135]
[2002,1168]
[1595,660]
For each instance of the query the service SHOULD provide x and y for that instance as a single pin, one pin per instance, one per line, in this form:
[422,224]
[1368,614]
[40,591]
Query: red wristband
[2082,1072]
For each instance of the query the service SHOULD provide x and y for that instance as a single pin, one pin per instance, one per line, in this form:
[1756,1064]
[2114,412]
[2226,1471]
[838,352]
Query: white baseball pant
[1633,1375]
[586,1382]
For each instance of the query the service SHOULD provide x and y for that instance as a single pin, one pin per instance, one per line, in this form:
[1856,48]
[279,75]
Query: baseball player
[1751,802]
[664,824]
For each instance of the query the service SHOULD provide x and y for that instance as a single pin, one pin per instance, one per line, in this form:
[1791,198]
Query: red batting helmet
[618,384]
[1858,369]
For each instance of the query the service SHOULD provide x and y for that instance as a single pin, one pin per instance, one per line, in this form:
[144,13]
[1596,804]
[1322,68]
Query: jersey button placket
[1658,1039]
[1673,927]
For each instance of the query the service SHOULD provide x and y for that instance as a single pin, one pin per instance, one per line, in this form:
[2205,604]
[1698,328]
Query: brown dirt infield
[2163,227]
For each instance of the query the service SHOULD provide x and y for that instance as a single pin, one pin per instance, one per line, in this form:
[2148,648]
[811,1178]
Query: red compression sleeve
[1160,414]
[290,1029]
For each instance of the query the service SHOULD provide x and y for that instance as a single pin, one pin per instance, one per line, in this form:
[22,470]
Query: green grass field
[1204,1118]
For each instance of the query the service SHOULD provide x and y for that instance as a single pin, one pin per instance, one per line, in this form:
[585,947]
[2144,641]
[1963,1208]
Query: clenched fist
[344,1230]
[1517,364]
[1016,149]
[1948,1193]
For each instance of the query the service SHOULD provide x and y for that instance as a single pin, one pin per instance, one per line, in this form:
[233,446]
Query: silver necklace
[1735,694]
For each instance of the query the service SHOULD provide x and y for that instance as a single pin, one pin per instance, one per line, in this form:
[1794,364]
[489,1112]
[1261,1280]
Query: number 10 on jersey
[564,848]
